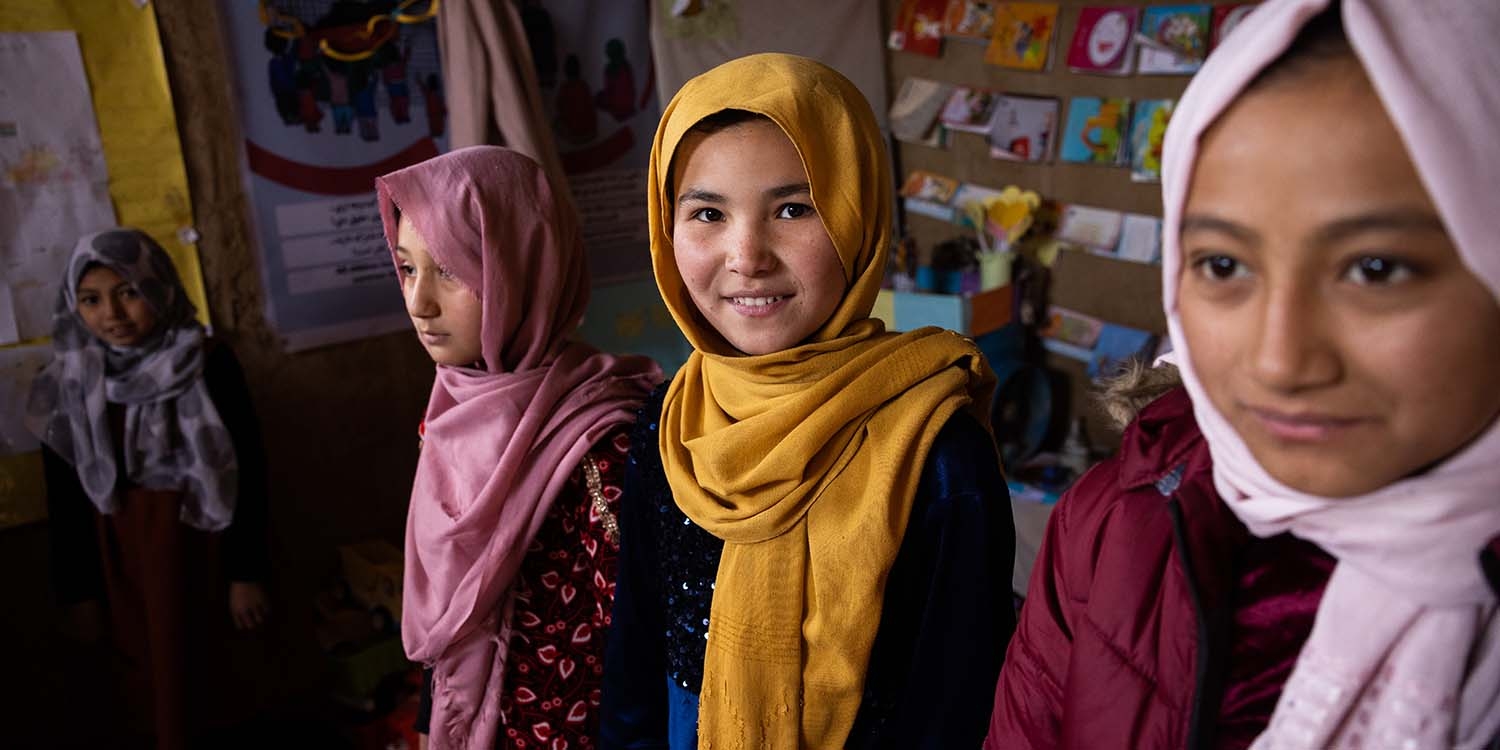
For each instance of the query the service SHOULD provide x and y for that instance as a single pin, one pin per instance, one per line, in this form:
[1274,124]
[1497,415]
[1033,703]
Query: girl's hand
[248,605]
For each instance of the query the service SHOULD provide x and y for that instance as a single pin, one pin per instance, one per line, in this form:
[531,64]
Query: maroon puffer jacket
[1124,640]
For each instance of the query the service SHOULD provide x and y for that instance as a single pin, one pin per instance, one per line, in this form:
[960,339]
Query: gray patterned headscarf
[174,438]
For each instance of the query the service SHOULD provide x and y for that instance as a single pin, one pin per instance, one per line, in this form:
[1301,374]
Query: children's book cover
[1023,35]
[929,186]
[1173,39]
[1226,17]
[1024,128]
[970,110]
[1103,40]
[1140,239]
[919,27]
[1095,131]
[914,113]
[1072,327]
[1089,227]
[972,20]
[929,194]
[1147,128]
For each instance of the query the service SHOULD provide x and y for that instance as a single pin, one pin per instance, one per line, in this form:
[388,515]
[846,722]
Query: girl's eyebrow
[1211,223]
[784,191]
[402,251]
[1401,219]
[698,194]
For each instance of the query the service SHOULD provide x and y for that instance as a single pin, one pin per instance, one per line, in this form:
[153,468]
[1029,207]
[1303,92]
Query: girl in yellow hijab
[820,554]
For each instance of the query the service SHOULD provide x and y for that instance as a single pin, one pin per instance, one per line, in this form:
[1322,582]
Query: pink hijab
[1405,649]
[500,443]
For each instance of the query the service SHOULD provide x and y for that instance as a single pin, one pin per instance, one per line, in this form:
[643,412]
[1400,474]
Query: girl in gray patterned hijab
[124,332]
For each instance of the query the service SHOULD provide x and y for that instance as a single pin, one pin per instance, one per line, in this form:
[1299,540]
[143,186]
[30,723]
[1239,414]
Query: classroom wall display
[331,95]
[124,79]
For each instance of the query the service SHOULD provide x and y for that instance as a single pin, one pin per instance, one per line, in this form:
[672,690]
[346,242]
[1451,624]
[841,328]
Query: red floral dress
[564,592]
[563,596]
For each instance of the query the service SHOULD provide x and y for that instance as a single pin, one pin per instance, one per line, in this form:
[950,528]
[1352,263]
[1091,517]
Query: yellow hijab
[804,461]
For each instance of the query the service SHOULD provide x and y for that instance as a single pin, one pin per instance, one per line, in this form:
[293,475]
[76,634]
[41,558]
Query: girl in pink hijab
[511,538]
[1298,548]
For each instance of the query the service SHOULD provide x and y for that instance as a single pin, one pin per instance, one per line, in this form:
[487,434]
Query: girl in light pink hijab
[510,540]
[1300,551]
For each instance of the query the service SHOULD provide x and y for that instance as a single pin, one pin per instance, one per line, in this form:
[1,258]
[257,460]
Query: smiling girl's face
[113,309]
[1326,309]
[756,259]
[447,315]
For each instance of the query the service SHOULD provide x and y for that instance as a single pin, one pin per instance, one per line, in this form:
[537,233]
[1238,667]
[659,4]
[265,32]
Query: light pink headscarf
[1405,649]
[500,442]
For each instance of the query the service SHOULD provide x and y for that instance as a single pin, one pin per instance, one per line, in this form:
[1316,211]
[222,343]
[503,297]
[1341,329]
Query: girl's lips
[1305,427]
[758,306]
[431,337]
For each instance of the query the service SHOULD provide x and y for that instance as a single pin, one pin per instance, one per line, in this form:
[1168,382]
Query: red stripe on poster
[311,178]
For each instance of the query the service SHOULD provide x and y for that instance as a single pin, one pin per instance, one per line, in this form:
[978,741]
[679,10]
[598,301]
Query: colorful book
[972,20]
[1140,239]
[970,110]
[1104,40]
[1226,17]
[919,27]
[914,113]
[1147,128]
[1091,228]
[1072,327]
[1173,39]
[1022,36]
[1096,130]
[1024,128]
[929,194]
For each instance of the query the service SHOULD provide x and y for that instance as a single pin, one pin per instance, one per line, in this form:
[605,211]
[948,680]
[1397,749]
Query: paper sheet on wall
[54,185]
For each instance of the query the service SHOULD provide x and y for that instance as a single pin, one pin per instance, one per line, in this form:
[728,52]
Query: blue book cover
[1096,130]
[1173,39]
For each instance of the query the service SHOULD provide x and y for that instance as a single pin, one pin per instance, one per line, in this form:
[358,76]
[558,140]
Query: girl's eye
[90,300]
[794,211]
[707,215]
[1374,270]
[130,292]
[406,269]
[1219,267]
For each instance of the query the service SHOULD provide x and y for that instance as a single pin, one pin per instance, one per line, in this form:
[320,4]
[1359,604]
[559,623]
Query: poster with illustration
[332,93]
[1095,130]
[593,62]
[1148,127]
